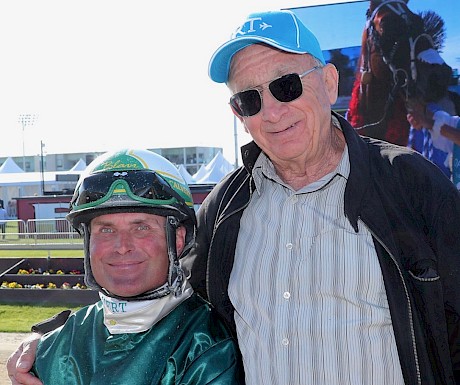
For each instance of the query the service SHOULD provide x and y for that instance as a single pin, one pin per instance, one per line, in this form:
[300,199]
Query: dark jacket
[413,213]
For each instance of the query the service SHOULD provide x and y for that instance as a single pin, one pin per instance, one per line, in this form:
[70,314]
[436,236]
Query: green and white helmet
[133,180]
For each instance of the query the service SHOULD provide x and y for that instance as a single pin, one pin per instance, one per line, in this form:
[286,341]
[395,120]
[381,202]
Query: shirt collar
[264,169]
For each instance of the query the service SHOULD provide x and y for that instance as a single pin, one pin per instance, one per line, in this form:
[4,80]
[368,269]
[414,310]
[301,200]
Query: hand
[20,362]
[417,117]
[414,122]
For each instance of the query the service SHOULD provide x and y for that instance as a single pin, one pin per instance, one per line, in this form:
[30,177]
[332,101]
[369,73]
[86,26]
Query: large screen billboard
[339,29]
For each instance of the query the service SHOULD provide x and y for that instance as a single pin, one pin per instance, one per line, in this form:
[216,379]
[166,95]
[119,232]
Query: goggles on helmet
[144,186]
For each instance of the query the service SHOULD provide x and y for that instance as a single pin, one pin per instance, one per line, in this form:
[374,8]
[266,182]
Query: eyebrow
[106,222]
[96,222]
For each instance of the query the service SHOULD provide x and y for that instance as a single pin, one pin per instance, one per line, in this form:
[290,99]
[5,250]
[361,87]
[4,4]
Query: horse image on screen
[399,64]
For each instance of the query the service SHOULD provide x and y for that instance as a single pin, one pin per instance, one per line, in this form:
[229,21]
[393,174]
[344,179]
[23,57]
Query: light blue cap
[280,29]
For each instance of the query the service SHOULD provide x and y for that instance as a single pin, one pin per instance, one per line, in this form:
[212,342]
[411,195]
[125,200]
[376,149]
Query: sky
[98,75]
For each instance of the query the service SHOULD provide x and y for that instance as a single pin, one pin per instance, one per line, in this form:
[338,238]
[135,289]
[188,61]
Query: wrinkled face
[286,131]
[129,253]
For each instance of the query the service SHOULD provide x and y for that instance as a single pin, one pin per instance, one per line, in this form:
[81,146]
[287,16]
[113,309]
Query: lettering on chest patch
[115,307]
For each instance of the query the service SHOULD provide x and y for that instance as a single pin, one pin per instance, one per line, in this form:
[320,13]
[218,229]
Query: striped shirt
[310,303]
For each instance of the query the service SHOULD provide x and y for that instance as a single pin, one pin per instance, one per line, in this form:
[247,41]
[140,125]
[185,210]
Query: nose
[272,109]
[123,242]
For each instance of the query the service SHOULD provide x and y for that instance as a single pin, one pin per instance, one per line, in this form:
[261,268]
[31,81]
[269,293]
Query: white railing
[39,234]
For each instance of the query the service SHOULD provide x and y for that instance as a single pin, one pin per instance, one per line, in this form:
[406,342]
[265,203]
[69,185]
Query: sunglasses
[285,89]
[140,185]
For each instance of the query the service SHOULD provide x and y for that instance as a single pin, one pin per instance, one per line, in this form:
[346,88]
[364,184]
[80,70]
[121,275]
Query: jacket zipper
[409,307]
[220,220]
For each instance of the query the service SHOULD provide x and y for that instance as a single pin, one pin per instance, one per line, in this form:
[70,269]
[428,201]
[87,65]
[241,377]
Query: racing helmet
[135,180]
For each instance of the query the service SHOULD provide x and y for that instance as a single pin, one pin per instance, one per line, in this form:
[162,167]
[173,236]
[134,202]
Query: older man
[335,258]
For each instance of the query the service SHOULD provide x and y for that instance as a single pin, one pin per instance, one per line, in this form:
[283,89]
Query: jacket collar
[249,154]
[358,185]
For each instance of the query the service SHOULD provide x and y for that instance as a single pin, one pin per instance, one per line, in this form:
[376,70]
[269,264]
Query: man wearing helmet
[136,215]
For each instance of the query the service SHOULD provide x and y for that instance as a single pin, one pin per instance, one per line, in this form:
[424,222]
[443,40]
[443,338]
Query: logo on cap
[250,23]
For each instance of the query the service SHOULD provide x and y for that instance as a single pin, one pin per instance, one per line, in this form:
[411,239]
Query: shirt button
[285,342]
[294,199]
[286,295]
[289,246]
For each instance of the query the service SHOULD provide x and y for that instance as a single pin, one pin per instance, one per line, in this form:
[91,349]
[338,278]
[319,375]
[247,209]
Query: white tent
[10,166]
[215,170]
[79,166]
[185,174]
[200,173]
[20,184]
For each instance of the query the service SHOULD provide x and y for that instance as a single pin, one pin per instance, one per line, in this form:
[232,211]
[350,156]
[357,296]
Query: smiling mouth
[125,265]
[285,129]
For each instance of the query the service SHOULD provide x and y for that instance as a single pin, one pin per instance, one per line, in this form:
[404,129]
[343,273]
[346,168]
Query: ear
[331,80]
[180,239]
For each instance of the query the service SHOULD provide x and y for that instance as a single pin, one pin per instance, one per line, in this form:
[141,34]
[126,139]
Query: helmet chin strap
[89,277]
[175,272]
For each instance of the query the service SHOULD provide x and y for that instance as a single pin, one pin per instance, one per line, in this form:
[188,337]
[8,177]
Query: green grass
[40,253]
[19,318]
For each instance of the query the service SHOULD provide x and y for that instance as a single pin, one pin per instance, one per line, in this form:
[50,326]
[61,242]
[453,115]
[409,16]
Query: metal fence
[41,234]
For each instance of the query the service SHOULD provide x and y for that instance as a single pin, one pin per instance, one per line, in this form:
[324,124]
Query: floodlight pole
[235,134]
[42,166]
[25,120]
[23,148]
